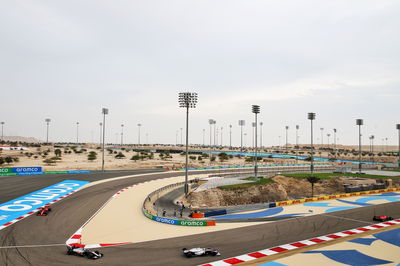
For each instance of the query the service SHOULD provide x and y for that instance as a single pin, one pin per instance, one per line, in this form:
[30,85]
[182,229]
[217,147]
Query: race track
[70,213]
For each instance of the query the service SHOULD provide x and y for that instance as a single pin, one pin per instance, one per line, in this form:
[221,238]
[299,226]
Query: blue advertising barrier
[21,206]
[165,220]
[26,169]
[79,172]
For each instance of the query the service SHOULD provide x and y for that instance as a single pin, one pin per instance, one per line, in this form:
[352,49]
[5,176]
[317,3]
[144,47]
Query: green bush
[120,155]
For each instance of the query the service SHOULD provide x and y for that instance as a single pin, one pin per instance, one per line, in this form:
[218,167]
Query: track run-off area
[41,240]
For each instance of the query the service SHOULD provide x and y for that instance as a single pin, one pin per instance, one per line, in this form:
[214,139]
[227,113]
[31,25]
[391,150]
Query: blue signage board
[165,220]
[26,169]
[16,208]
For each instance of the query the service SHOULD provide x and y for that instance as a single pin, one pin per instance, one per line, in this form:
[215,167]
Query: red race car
[382,218]
[43,211]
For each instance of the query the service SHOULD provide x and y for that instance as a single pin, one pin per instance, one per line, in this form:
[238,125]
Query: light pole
[328,135]
[230,137]
[204,134]
[261,134]
[311,117]
[2,131]
[241,124]
[139,125]
[122,134]
[245,137]
[398,128]
[176,138]
[77,132]
[386,146]
[297,142]
[187,100]
[322,136]
[287,128]
[372,145]
[216,136]
[101,126]
[215,132]
[47,120]
[256,110]
[359,123]
[211,122]
[334,140]
[221,136]
[252,137]
[104,112]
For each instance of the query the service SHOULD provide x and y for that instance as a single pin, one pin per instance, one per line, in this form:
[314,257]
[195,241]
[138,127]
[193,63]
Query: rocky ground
[283,188]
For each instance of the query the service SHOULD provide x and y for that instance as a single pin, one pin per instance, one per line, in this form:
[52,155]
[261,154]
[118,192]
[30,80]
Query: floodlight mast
[311,117]
[187,100]
[241,124]
[104,111]
[2,130]
[211,122]
[47,120]
[359,123]
[398,128]
[255,110]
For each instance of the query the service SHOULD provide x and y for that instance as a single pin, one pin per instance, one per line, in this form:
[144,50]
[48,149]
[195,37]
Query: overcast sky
[65,60]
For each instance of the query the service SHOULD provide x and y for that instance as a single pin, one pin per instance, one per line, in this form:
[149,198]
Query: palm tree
[312,180]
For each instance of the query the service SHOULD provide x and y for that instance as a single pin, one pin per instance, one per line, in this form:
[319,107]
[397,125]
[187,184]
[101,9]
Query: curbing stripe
[299,244]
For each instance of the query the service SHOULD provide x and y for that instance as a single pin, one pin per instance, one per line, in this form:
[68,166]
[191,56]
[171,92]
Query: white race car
[83,252]
[195,252]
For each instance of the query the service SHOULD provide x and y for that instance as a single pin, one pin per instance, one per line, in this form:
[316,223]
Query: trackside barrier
[246,166]
[329,197]
[178,222]
[12,171]
[215,213]
[169,220]
[306,200]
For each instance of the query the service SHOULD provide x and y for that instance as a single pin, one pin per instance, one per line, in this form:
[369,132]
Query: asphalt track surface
[70,213]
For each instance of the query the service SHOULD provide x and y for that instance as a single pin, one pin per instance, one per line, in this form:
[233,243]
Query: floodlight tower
[261,134]
[322,136]
[122,134]
[255,110]
[311,117]
[139,125]
[187,100]
[77,132]
[241,124]
[359,123]
[230,137]
[398,128]
[47,120]
[211,122]
[2,131]
[287,128]
[334,140]
[104,111]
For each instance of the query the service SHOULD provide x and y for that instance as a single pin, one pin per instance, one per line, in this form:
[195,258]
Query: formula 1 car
[43,211]
[382,218]
[83,252]
[195,252]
